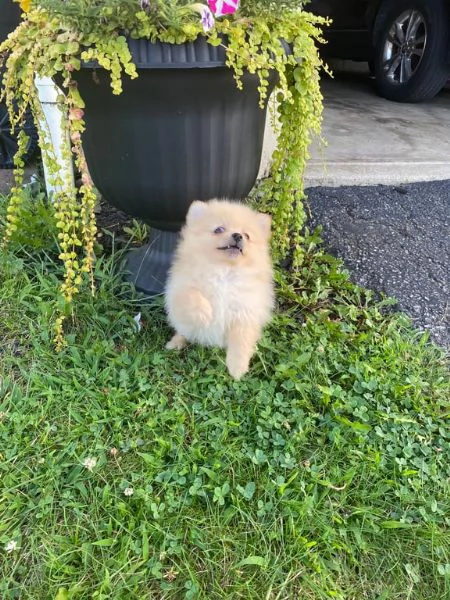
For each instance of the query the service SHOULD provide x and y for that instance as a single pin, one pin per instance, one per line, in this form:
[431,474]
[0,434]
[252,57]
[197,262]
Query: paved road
[396,240]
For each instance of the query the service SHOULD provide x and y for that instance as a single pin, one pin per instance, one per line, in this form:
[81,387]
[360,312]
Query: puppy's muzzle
[237,243]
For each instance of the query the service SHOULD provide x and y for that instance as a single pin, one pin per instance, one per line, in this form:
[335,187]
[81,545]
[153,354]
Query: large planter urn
[181,131]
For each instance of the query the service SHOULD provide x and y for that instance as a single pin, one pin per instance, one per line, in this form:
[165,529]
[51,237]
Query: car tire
[411,39]
[8,139]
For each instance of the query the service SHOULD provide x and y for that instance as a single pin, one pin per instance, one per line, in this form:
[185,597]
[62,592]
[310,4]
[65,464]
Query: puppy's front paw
[237,367]
[178,342]
[240,348]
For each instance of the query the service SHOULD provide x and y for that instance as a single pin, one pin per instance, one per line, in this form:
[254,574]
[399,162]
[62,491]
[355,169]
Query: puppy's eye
[219,230]
[247,236]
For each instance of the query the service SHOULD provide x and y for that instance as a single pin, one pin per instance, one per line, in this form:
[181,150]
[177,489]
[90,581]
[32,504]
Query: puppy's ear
[265,222]
[196,210]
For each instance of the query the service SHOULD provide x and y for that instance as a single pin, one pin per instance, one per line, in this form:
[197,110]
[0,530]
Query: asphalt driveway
[395,240]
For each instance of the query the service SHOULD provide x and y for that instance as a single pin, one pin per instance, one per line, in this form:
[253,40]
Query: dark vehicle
[9,19]
[406,42]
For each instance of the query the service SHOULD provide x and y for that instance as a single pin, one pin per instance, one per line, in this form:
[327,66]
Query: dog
[220,288]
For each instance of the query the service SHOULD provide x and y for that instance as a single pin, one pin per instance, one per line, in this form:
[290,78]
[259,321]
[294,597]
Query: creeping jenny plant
[56,36]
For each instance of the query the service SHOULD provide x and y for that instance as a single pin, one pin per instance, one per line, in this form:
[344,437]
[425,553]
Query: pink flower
[76,114]
[223,7]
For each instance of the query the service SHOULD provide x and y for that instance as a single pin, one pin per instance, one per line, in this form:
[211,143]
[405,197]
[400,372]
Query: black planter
[181,131]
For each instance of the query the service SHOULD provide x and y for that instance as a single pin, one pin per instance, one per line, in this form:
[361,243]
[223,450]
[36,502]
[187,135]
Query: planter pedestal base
[147,266]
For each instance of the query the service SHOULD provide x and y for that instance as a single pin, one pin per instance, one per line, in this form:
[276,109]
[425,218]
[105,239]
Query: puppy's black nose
[237,237]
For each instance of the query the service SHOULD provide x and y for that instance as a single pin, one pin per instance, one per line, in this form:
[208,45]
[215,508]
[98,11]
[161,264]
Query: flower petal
[223,7]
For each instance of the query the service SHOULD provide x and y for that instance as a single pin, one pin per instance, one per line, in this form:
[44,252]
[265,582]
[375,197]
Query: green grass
[324,473]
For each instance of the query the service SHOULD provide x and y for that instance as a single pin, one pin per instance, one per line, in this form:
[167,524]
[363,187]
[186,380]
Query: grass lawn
[128,472]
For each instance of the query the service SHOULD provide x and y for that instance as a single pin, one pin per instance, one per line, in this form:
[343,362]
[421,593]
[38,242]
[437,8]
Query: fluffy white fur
[219,293]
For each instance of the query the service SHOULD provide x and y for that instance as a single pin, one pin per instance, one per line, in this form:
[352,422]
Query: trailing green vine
[262,38]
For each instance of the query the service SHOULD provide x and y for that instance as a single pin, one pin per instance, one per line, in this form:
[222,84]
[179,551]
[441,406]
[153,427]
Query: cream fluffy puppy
[220,287]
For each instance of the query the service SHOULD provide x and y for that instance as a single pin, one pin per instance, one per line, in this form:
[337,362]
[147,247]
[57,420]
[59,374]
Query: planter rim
[163,55]
[198,54]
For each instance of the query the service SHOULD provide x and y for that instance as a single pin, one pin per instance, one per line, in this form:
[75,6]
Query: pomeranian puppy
[220,287]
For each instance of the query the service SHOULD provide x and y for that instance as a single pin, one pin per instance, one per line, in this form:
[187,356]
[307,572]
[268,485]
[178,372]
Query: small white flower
[89,463]
[11,546]
[128,491]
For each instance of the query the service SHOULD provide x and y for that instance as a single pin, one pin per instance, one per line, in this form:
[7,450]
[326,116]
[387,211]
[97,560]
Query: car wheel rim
[404,47]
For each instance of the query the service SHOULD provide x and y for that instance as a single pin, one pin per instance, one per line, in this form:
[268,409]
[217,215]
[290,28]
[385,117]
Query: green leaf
[248,491]
[356,425]
[72,47]
[259,561]
[282,487]
[412,571]
[259,457]
[397,525]
[104,542]
[145,544]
